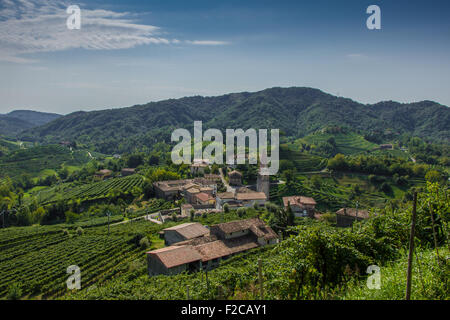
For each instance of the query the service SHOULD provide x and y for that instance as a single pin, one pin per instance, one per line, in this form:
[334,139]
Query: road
[225,183]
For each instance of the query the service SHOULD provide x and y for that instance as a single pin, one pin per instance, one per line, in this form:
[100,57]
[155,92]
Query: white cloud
[31,26]
[356,56]
[207,42]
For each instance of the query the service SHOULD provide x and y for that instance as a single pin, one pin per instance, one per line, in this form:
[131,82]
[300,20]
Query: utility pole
[261,292]
[108,214]
[411,249]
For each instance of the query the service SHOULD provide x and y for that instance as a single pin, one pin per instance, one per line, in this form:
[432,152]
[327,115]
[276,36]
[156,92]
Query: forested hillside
[295,111]
[19,120]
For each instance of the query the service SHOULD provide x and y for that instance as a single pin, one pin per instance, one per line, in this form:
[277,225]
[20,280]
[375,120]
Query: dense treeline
[386,166]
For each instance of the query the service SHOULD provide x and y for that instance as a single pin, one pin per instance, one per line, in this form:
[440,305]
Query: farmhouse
[198,167]
[103,174]
[182,232]
[386,146]
[248,198]
[301,206]
[127,171]
[346,216]
[206,252]
[171,189]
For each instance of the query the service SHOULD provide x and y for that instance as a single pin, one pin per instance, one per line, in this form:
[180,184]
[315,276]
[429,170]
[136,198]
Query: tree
[433,176]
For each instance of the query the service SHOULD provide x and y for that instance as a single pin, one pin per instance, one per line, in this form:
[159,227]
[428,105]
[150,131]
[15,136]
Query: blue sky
[133,52]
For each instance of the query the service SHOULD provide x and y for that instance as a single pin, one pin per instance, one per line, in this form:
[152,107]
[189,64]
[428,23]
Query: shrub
[144,243]
[14,292]
[80,231]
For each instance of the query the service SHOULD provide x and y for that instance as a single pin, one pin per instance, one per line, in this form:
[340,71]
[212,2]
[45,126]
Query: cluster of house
[106,173]
[194,247]
[198,191]
[306,207]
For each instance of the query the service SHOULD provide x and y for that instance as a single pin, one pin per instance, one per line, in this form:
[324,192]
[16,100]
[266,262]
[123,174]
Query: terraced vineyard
[302,161]
[36,258]
[346,143]
[34,161]
[92,191]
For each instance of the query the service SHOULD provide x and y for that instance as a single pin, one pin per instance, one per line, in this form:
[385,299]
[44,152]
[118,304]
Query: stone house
[346,216]
[235,178]
[205,252]
[301,206]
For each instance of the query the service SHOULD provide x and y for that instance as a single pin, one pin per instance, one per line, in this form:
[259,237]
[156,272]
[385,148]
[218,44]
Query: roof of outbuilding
[351,212]
[189,230]
[251,196]
[176,255]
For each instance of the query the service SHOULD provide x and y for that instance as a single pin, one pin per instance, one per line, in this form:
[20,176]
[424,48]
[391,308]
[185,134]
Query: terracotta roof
[203,197]
[176,255]
[226,195]
[222,248]
[193,190]
[256,225]
[189,230]
[351,212]
[298,200]
[251,196]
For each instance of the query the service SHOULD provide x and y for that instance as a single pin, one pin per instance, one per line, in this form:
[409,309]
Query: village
[194,247]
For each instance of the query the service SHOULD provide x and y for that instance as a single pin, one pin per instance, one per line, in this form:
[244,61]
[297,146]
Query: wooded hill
[295,111]
[19,120]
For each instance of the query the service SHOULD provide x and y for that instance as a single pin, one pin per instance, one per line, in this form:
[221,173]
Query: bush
[240,212]
[144,243]
[80,231]
[226,208]
[14,292]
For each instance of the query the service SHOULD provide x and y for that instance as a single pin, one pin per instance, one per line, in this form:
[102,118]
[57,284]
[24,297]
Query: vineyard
[36,258]
[346,143]
[302,161]
[35,160]
[91,191]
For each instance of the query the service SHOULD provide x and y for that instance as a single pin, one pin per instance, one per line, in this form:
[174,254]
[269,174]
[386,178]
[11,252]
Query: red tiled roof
[203,197]
[176,255]
[251,196]
[298,200]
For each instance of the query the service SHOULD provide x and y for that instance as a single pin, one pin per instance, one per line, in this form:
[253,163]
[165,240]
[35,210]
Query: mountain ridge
[297,111]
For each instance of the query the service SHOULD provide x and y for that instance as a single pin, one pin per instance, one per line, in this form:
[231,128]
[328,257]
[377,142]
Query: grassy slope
[426,280]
